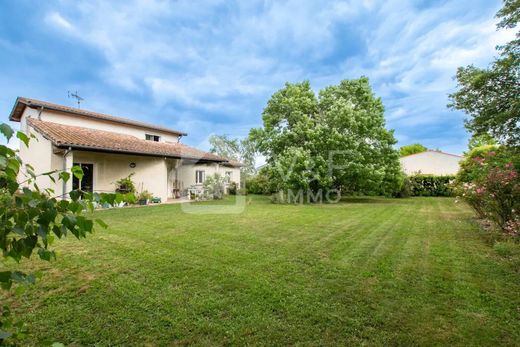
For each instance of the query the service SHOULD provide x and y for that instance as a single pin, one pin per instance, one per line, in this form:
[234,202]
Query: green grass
[366,271]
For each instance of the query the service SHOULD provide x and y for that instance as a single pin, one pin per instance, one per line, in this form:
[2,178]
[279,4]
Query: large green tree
[412,149]
[481,140]
[491,96]
[234,149]
[336,140]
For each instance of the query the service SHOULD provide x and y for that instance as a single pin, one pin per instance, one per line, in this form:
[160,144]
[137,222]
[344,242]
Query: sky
[209,67]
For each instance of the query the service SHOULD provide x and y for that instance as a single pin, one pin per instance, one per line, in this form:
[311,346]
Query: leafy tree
[234,149]
[412,149]
[481,140]
[31,219]
[491,96]
[336,140]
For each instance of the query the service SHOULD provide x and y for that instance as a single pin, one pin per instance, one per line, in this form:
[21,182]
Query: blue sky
[210,66]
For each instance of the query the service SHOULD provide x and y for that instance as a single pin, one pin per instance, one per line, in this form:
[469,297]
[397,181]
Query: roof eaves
[13,110]
[111,150]
[432,151]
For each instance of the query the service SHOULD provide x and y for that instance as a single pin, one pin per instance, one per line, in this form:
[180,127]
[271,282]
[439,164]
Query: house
[431,162]
[109,148]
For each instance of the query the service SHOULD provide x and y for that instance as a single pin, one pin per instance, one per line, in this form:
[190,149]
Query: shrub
[489,182]
[258,184]
[406,188]
[130,198]
[232,188]
[480,160]
[214,187]
[430,185]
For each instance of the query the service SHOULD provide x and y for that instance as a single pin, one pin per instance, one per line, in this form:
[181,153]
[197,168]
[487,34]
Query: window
[199,176]
[229,176]
[150,137]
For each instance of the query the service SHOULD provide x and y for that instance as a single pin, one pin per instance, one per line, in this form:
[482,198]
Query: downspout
[39,118]
[40,113]
[64,184]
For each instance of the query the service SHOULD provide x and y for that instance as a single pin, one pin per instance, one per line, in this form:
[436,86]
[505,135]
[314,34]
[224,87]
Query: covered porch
[170,179]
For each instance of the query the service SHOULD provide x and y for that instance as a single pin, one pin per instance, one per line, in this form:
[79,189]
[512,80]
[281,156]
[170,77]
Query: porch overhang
[64,147]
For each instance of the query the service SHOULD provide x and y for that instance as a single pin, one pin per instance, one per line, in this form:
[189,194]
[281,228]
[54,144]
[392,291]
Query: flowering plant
[494,192]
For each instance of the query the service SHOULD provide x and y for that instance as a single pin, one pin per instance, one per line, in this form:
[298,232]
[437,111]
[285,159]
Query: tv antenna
[75,95]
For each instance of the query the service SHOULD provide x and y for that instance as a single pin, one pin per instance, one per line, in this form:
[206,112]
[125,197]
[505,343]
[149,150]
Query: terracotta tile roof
[106,141]
[22,102]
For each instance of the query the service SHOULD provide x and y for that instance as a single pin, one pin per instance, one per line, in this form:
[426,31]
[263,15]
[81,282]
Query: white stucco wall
[186,173]
[431,162]
[75,120]
[40,156]
[150,173]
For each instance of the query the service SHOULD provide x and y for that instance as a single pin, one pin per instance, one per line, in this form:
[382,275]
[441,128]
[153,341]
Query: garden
[363,271]
[384,259]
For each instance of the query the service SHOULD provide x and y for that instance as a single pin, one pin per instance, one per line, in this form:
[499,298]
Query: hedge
[430,185]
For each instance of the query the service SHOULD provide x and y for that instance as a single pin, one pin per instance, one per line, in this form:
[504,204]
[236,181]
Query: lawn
[366,271]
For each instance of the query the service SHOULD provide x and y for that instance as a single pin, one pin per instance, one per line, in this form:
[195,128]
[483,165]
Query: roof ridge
[434,151]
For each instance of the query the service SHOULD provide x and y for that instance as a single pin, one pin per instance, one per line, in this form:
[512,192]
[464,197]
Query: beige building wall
[40,156]
[431,162]
[186,173]
[150,173]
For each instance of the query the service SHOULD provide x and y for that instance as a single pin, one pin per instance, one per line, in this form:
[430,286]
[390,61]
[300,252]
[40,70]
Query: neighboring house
[431,162]
[109,148]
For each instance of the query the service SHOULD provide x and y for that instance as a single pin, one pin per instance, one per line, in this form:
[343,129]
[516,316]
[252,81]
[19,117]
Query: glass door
[87,183]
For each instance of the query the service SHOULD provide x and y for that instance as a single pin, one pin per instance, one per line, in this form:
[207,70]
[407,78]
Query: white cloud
[57,20]
[220,55]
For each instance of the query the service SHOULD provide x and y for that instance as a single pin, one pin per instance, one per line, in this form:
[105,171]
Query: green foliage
[125,185]
[258,184]
[490,96]
[242,151]
[335,141]
[129,198]
[145,195]
[489,182]
[430,185]
[412,149]
[406,188]
[481,140]
[477,163]
[232,188]
[31,218]
[214,187]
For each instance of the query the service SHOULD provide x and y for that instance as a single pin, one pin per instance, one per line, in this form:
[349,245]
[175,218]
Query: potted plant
[125,185]
[144,197]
